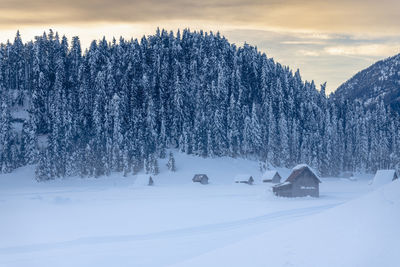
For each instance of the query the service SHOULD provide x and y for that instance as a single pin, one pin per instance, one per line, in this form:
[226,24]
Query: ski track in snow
[203,229]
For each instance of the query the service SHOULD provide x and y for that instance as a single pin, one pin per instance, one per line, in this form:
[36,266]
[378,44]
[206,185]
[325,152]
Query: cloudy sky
[327,40]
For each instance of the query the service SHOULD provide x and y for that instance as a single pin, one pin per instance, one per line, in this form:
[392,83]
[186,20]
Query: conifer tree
[5,136]
[42,172]
[171,162]
[30,142]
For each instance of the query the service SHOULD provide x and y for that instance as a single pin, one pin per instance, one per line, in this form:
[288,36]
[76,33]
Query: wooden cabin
[200,178]
[244,179]
[301,182]
[271,177]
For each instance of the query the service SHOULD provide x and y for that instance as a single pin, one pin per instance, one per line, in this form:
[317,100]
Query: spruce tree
[5,136]
[171,162]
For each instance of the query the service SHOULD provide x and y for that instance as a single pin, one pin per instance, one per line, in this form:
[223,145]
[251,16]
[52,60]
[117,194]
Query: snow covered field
[118,221]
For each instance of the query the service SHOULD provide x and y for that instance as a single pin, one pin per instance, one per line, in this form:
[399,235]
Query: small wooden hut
[200,178]
[271,177]
[301,182]
[244,179]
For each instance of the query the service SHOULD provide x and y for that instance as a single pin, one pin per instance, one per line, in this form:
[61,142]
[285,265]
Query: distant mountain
[379,81]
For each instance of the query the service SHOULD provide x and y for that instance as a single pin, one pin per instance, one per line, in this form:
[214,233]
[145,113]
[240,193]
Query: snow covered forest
[119,105]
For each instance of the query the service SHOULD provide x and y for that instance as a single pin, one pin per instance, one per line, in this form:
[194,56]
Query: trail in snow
[203,229]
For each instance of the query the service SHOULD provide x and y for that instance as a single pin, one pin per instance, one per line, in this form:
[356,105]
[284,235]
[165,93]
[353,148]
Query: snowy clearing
[113,221]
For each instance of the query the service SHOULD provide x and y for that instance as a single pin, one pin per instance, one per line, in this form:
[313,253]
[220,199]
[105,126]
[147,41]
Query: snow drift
[383,177]
[363,232]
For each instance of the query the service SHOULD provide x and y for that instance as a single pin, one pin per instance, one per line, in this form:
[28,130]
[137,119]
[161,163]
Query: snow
[17,126]
[21,114]
[299,166]
[282,184]
[307,187]
[42,140]
[382,177]
[120,221]
[242,177]
[363,232]
[268,175]
[305,165]
[143,179]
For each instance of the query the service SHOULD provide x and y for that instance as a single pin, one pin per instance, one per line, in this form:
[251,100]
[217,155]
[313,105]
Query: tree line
[118,106]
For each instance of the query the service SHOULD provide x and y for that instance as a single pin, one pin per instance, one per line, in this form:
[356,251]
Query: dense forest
[119,105]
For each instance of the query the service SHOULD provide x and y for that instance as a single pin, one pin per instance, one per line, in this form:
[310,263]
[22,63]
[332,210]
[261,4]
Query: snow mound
[383,177]
[143,179]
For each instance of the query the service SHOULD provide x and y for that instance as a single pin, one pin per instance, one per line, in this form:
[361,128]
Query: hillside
[381,81]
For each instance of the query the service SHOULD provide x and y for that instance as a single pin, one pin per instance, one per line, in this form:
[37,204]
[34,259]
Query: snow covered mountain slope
[118,221]
[364,232]
[379,81]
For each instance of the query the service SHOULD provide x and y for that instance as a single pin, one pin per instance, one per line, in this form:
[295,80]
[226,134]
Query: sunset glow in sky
[327,40]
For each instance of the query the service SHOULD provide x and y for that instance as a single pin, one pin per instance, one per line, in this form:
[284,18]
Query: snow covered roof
[282,184]
[298,170]
[301,166]
[269,174]
[201,175]
[383,177]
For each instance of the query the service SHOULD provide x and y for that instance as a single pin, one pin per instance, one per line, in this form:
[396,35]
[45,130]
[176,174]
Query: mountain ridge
[380,81]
